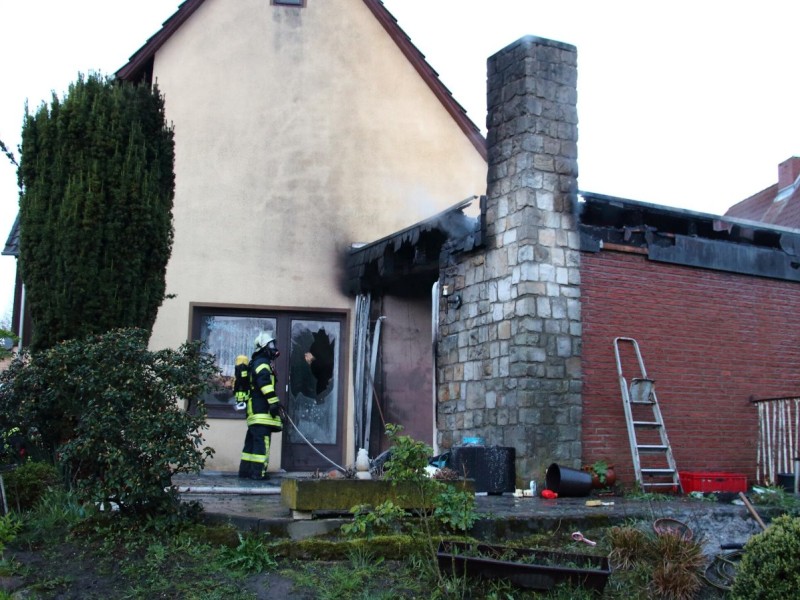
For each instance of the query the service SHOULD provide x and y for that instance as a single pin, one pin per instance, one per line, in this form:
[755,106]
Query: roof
[778,204]
[12,243]
[407,262]
[689,238]
[769,206]
[140,65]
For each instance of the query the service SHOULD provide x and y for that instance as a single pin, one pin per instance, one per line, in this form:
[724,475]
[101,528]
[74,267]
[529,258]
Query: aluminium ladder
[653,462]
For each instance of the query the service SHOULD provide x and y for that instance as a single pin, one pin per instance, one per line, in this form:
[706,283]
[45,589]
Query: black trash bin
[492,467]
[568,482]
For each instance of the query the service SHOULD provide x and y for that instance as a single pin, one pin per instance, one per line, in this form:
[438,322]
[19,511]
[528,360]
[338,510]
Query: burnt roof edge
[686,213]
[689,238]
[430,222]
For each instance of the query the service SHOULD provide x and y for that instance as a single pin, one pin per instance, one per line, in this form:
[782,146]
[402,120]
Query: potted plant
[603,474]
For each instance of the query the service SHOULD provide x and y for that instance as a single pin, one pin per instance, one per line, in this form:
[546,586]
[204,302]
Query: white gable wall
[298,132]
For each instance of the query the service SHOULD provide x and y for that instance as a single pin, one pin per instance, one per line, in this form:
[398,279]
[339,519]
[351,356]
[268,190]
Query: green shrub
[409,457]
[455,509]
[770,567]
[251,555]
[26,484]
[368,521]
[9,528]
[109,410]
[53,517]
[442,508]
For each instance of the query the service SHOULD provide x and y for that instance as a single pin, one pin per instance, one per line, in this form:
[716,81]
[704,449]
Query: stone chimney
[788,171]
[509,356]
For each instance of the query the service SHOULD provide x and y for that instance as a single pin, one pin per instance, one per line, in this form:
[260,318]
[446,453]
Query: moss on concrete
[344,494]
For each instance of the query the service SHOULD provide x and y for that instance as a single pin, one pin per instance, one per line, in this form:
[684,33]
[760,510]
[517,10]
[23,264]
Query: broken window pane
[313,381]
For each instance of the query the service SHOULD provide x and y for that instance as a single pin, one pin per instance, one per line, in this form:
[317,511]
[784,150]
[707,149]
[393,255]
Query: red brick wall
[711,341]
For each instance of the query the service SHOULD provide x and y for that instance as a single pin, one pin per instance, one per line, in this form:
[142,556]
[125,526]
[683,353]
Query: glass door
[313,395]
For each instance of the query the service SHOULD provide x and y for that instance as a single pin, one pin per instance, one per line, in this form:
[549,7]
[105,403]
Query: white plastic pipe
[217,489]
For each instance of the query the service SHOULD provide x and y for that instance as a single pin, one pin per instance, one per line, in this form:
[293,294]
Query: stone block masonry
[509,366]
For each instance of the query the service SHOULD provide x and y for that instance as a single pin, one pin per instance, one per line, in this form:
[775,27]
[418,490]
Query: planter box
[343,494]
[524,567]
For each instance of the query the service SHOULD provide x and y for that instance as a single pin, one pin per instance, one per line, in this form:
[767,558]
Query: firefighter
[263,409]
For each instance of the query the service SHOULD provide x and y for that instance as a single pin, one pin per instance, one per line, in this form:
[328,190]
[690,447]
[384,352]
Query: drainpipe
[434,342]
[373,364]
[21,316]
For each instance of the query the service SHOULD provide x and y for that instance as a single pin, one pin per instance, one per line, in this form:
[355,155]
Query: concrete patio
[257,506]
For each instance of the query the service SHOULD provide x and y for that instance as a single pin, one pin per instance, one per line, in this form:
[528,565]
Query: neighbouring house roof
[12,243]
[778,204]
[140,64]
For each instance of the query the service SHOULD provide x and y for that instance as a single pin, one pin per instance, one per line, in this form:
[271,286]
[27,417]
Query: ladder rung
[672,484]
[641,402]
[658,472]
[651,448]
[653,424]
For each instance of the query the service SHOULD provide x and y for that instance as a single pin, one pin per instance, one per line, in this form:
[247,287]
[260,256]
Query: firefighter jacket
[262,406]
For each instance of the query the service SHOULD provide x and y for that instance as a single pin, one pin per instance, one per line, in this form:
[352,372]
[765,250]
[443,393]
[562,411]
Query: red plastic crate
[713,482]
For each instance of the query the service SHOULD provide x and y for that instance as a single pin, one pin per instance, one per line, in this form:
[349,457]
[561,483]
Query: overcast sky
[685,103]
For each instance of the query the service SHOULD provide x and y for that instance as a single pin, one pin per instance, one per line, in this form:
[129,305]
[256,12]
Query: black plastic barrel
[492,467]
[786,481]
[568,482]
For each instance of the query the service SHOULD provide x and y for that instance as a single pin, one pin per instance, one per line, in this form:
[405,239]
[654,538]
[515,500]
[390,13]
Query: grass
[63,550]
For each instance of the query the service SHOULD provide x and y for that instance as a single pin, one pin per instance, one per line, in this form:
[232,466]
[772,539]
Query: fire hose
[285,415]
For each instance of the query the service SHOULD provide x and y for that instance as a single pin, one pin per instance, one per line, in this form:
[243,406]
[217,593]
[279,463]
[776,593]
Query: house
[292,142]
[778,204]
[300,128]
[493,318]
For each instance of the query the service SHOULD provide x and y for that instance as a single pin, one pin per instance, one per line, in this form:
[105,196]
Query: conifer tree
[97,185]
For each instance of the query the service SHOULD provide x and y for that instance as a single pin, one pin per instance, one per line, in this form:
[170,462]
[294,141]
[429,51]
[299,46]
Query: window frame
[283,317]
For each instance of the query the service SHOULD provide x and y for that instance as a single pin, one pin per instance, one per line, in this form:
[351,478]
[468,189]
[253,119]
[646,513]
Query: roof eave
[139,59]
[429,76]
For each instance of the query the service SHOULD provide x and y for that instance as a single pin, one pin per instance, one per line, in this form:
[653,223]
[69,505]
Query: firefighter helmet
[265,341]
